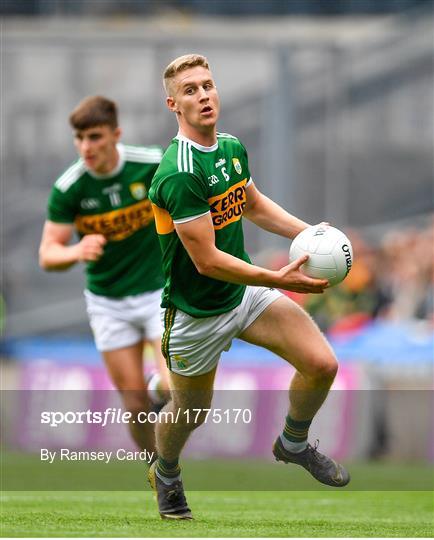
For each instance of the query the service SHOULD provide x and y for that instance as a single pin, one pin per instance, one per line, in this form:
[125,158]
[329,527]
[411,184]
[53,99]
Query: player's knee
[193,416]
[185,418]
[321,367]
[326,368]
[136,403]
[191,408]
[198,417]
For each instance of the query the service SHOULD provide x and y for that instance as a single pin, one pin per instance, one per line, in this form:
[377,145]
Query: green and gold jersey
[117,206]
[191,181]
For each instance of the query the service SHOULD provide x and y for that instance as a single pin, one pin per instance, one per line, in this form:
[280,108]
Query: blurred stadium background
[334,101]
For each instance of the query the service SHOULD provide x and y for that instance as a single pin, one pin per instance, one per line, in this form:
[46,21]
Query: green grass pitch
[220,514]
[384,499]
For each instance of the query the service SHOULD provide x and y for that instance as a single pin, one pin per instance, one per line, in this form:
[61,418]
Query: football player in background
[104,198]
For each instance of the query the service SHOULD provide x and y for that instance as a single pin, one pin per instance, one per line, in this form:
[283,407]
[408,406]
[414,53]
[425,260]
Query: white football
[330,253]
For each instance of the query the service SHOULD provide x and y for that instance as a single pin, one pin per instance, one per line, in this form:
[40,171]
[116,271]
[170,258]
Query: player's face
[195,100]
[97,147]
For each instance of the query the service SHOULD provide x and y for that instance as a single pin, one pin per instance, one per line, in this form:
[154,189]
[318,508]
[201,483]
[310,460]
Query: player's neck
[205,138]
[112,162]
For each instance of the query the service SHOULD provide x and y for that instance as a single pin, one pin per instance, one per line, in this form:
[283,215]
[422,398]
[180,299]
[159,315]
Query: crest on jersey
[138,190]
[237,165]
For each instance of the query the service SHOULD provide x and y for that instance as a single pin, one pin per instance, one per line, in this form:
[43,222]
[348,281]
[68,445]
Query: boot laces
[317,456]
[176,495]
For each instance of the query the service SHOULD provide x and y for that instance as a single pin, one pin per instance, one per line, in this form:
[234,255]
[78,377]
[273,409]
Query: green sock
[294,435]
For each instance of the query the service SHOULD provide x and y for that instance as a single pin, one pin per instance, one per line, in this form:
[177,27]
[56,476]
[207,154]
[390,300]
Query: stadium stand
[359,117]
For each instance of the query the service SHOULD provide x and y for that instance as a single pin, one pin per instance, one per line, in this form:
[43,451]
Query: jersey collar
[119,166]
[197,145]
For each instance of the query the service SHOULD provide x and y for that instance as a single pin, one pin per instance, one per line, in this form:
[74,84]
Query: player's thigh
[160,361]
[287,330]
[192,392]
[125,367]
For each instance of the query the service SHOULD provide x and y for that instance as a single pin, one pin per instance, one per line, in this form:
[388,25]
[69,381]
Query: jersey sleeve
[61,208]
[183,196]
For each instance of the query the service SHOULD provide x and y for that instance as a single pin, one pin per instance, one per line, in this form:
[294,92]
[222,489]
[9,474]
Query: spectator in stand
[406,275]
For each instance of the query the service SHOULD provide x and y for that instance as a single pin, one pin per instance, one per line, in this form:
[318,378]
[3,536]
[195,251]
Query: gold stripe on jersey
[228,207]
[117,224]
[163,221]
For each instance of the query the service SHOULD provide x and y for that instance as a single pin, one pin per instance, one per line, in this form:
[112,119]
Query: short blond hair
[180,64]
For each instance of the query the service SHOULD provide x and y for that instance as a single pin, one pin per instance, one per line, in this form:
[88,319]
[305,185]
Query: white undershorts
[192,346]
[121,322]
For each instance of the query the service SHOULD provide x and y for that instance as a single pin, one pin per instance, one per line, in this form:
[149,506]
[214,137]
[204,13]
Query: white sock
[167,480]
[154,389]
[294,447]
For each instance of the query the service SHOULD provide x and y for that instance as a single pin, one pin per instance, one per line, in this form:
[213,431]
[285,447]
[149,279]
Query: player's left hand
[291,278]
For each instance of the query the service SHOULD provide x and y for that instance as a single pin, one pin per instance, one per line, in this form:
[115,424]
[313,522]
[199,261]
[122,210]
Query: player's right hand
[91,247]
[291,278]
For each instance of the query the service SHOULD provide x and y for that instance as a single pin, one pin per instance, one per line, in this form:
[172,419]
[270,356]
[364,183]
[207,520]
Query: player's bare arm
[268,215]
[56,254]
[198,238]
